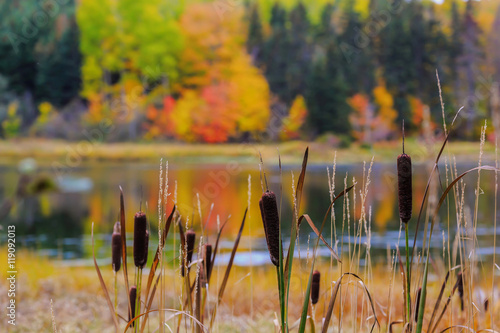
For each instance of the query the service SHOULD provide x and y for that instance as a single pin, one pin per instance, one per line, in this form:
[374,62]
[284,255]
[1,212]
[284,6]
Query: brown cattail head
[190,240]
[460,289]
[404,187]
[486,305]
[141,239]
[315,287]
[132,296]
[417,304]
[207,264]
[271,221]
[116,247]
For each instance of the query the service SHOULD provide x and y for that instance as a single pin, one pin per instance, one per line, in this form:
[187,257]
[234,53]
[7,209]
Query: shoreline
[44,150]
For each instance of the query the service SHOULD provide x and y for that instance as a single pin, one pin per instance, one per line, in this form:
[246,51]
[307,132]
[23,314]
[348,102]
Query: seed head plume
[270,219]
[116,247]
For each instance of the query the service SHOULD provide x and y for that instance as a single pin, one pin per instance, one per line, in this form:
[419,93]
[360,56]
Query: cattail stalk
[116,256]
[405,209]
[270,219]
[141,241]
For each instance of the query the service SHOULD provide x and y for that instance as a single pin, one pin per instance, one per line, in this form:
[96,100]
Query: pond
[56,221]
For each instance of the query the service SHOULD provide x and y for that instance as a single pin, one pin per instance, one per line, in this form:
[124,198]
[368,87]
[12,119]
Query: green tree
[255,38]
[59,76]
[327,96]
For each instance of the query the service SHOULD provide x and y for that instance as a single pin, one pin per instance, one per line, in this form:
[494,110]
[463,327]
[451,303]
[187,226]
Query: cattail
[116,247]
[270,219]
[315,287]
[132,296]
[207,264]
[404,187]
[486,304]
[460,289]
[419,292]
[190,240]
[140,239]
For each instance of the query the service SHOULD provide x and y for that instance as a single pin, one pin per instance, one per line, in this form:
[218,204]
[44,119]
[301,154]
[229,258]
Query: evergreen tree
[358,57]
[397,63]
[299,58]
[470,59]
[59,76]
[276,55]
[255,37]
[327,96]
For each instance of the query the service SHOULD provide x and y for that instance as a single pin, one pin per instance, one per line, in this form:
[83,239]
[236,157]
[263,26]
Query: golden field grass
[79,304]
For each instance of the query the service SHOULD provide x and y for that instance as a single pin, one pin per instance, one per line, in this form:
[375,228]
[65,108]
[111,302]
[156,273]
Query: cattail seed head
[132,295]
[404,187]
[417,304]
[270,219]
[486,305]
[460,289]
[315,287]
[116,247]
[207,264]
[190,240]
[141,239]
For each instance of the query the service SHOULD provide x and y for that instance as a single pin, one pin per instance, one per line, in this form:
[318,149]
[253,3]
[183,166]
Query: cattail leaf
[433,221]
[228,269]
[216,247]
[438,301]
[154,264]
[303,318]
[316,231]
[329,312]
[426,192]
[124,242]
[103,285]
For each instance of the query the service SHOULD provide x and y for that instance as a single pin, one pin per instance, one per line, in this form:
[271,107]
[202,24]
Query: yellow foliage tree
[385,120]
[295,119]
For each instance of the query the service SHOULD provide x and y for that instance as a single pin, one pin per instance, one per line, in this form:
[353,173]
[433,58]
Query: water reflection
[57,223]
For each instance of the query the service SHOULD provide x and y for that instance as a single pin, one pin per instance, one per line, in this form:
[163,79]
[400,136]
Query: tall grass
[346,302]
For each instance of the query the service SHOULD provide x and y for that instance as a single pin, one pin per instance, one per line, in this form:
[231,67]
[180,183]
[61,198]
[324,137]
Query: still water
[54,213]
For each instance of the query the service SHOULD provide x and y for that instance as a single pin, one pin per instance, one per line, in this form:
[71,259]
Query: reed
[405,191]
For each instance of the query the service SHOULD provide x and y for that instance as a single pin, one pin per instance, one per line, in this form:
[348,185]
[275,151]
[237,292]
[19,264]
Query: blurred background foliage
[233,71]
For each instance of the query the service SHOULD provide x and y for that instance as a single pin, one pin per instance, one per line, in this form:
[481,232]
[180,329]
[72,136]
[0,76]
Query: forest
[246,71]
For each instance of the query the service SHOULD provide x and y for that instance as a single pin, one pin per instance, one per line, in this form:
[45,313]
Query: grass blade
[103,285]
[335,291]
[228,269]
[154,264]
[124,247]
